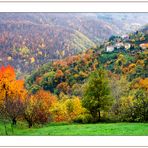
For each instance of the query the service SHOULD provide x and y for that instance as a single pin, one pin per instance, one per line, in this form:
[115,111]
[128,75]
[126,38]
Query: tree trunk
[14,121]
[94,115]
[30,124]
[99,115]
[5,128]
[29,121]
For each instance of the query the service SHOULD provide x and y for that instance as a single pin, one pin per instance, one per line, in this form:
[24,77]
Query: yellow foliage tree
[67,109]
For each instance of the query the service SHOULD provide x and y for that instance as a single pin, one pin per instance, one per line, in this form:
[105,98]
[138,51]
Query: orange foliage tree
[37,107]
[64,87]
[12,94]
[140,83]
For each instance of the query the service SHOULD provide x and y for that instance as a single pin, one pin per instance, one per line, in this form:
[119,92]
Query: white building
[127,45]
[119,45]
[110,48]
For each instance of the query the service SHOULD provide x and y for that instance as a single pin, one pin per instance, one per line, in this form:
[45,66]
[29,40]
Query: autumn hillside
[128,58]
[28,40]
[55,74]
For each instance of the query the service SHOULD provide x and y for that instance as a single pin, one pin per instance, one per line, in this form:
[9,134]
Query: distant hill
[28,40]
[128,58]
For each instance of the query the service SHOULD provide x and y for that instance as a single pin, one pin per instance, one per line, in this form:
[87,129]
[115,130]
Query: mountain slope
[27,40]
[69,74]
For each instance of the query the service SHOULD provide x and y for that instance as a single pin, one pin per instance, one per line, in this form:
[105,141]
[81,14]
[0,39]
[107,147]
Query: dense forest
[106,83]
[28,40]
[123,72]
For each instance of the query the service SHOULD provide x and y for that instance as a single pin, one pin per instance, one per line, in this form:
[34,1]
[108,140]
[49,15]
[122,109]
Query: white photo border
[74,6]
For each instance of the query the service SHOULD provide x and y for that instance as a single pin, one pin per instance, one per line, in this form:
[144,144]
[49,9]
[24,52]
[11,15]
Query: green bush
[84,118]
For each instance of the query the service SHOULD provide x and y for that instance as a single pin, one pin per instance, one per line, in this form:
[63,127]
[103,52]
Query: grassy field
[60,129]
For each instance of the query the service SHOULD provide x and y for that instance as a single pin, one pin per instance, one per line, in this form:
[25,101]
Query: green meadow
[65,129]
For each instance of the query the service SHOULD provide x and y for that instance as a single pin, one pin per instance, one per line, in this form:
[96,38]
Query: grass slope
[61,129]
